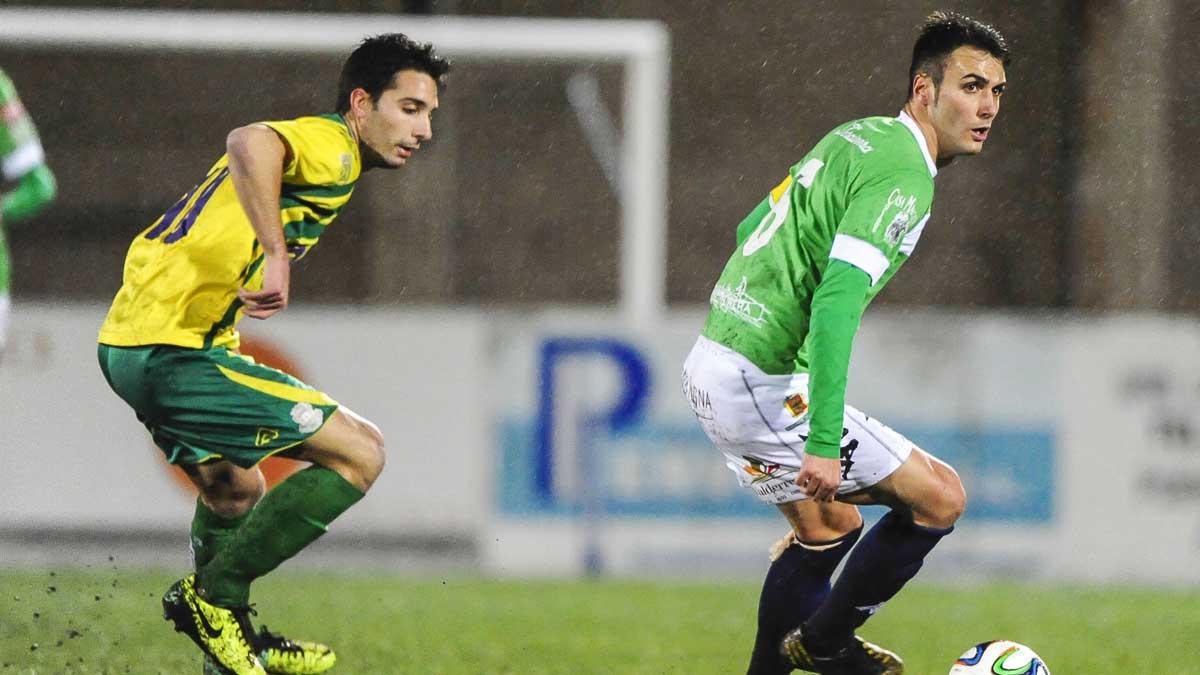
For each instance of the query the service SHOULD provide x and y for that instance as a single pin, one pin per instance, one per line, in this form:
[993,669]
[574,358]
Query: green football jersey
[20,153]
[863,196]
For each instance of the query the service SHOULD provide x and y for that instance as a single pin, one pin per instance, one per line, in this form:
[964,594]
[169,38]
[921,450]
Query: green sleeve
[33,192]
[837,308]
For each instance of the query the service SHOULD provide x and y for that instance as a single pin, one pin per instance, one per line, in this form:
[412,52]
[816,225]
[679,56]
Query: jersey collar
[916,132]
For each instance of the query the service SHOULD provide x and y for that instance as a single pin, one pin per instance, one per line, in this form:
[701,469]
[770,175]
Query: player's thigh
[349,444]
[927,487]
[813,521]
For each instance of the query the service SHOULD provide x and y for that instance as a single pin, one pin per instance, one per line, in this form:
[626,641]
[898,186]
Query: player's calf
[890,554]
[796,584]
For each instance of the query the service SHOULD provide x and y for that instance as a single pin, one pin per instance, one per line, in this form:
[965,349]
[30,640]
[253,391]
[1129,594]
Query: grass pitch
[107,621]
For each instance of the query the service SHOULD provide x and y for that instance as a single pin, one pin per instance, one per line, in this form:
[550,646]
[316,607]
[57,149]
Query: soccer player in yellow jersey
[169,346]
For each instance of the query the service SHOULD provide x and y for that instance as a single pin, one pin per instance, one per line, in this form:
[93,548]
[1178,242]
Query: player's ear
[360,101]
[922,89]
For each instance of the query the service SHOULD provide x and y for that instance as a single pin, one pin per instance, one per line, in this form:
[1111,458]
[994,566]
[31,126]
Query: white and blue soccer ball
[999,657]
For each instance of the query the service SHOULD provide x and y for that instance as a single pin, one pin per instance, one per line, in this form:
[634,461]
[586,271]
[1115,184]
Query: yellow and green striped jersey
[183,272]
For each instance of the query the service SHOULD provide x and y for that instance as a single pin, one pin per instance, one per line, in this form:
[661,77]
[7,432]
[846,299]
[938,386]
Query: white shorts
[760,423]
[4,307]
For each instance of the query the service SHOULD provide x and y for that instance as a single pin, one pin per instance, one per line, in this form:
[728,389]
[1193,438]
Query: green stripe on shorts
[206,404]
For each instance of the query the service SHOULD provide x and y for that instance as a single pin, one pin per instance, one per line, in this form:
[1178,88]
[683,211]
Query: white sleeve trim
[22,160]
[914,235]
[861,254]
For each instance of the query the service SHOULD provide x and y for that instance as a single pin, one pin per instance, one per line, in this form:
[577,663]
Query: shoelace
[243,614]
[269,640]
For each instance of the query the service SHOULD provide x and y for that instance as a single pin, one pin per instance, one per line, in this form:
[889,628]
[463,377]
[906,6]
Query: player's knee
[235,493]
[371,455]
[952,499]
[233,503]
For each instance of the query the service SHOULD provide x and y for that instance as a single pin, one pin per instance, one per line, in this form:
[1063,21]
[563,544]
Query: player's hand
[820,477]
[273,297]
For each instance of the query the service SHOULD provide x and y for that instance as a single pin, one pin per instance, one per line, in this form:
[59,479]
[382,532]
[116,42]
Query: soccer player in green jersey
[767,377]
[168,346]
[22,163]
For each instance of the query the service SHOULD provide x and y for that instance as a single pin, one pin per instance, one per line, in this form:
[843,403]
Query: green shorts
[205,404]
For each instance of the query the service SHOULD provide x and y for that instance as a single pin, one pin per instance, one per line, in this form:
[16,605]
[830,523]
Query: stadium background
[1043,339]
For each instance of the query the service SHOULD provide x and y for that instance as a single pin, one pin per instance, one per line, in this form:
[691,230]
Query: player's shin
[890,554]
[210,532]
[290,517]
[796,584]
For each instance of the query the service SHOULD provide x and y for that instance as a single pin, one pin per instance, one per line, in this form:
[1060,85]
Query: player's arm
[257,156]
[22,160]
[33,193]
[837,309]
[883,207]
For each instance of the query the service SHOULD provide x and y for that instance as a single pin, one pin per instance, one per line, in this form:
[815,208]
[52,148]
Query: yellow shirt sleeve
[322,151]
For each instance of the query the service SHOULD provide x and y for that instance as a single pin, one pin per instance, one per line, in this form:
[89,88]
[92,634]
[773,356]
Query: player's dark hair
[942,33]
[374,63]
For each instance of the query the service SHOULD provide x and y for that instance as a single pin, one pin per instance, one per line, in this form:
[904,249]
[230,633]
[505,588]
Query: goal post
[641,47]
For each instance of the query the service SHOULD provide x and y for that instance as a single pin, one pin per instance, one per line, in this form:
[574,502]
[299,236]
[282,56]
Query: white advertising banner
[73,455]
[603,464]
[1130,477]
[559,442]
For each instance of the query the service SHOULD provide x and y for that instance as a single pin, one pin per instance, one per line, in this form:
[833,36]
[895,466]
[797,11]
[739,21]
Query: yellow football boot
[222,633]
[281,656]
[858,657]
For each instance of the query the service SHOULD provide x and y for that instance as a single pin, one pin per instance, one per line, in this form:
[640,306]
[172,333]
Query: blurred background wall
[1082,199]
[1043,334]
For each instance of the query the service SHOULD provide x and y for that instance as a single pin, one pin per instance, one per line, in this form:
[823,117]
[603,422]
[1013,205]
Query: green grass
[107,621]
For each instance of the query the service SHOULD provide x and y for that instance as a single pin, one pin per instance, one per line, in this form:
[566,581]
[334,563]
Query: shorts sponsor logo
[700,399]
[765,489]
[763,473]
[308,418]
[796,404]
[265,436]
[738,302]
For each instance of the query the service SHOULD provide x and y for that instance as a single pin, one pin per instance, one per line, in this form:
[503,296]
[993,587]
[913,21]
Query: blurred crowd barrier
[558,442]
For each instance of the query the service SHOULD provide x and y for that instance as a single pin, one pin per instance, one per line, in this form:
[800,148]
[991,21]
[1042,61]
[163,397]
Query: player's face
[391,128]
[967,102]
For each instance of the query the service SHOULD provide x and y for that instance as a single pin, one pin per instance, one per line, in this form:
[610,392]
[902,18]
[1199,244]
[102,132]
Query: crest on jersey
[904,209]
[347,167]
[897,228]
[307,418]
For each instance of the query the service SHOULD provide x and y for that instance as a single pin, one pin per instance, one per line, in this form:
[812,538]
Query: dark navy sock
[888,556]
[796,584]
